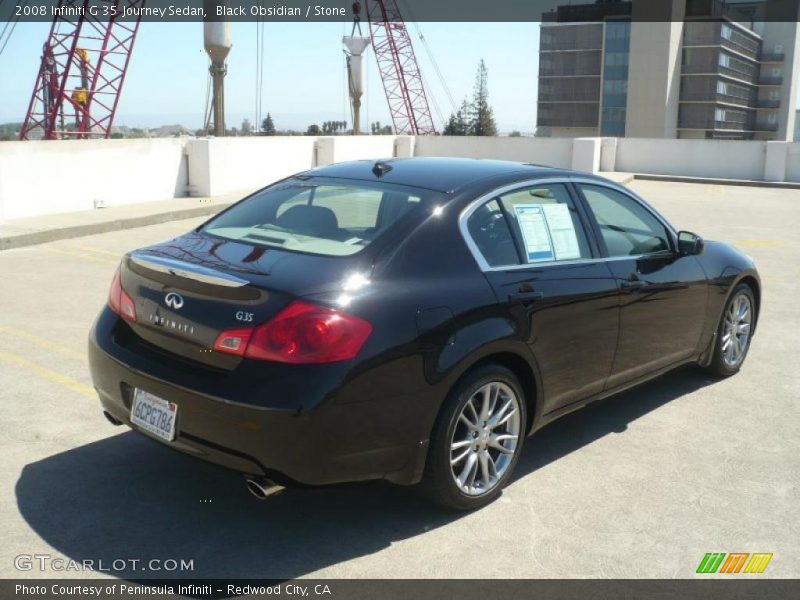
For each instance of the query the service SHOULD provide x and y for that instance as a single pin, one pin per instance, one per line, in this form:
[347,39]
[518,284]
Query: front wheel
[477,440]
[734,332]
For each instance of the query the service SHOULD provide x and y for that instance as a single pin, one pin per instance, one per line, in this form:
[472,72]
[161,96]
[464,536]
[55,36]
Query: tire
[478,448]
[730,351]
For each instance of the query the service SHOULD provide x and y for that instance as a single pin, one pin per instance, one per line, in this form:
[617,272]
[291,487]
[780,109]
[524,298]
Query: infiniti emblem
[173,300]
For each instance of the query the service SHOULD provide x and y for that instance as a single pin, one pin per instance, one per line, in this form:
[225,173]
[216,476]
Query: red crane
[84,62]
[86,56]
[397,63]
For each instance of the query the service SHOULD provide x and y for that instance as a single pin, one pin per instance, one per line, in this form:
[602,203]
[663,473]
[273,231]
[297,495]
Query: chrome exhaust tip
[111,419]
[262,488]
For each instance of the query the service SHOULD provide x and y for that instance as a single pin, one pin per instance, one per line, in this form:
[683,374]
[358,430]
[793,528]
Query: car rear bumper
[332,442]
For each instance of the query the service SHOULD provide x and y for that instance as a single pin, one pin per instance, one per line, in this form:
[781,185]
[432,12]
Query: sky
[304,73]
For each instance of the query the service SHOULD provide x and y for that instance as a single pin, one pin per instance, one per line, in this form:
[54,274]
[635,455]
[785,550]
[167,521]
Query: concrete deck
[17,233]
[641,485]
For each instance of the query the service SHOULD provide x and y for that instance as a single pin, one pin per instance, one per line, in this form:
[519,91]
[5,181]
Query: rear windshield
[329,218]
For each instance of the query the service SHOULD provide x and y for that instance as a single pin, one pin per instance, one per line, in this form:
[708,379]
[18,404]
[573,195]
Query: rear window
[329,218]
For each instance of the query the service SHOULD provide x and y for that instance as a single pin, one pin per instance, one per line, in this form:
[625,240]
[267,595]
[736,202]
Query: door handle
[632,283]
[525,295]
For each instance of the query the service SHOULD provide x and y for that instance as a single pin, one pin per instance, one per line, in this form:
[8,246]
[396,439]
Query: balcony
[583,98]
[770,80]
[772,57]
[710,124]
[768,103]
[766,126]
[749,48]
[717,97]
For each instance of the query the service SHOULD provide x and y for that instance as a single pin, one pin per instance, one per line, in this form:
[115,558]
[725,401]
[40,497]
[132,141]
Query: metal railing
[770,79]
[775,57]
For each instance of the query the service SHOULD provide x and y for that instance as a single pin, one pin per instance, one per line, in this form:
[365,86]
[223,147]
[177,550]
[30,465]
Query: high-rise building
[715,69]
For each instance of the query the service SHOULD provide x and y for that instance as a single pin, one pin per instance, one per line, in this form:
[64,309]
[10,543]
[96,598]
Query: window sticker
[535,236]
[562,231]
[547,232]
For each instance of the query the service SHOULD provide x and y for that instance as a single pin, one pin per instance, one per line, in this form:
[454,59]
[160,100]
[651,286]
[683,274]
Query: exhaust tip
[262,488]
[111,419]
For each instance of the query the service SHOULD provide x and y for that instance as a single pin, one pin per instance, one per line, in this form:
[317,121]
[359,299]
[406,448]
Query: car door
[533,243]
[663,294]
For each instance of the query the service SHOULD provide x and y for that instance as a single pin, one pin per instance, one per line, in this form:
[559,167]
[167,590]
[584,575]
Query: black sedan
[410,320]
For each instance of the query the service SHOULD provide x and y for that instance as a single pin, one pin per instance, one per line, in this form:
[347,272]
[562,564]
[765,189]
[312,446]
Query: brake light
[300,333]
[119,301]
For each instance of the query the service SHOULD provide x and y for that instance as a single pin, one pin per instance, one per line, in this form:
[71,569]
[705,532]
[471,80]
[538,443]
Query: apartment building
[696,69]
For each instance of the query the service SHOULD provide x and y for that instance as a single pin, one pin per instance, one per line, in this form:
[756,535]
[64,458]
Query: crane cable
[407,10]
[14,20]
[259,70]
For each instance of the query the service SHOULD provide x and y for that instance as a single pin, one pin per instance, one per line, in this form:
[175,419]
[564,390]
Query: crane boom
[397,63]
[84,62]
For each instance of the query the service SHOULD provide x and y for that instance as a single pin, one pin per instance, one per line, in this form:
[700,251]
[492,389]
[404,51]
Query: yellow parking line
[63,380]
[43,342]
[96,250]
[96,259]
[760,243]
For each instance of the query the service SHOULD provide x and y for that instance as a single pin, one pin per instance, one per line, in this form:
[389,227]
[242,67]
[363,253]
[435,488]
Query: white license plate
[153,414]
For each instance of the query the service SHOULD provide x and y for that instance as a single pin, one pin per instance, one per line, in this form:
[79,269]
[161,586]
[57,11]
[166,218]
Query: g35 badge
[246,317]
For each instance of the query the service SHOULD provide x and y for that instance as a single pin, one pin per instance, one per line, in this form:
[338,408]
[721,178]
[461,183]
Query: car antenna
[381,168]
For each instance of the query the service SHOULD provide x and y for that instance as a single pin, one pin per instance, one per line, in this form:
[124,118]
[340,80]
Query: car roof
[438,174]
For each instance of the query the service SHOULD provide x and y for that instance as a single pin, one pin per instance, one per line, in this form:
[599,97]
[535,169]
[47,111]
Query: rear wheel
[734,332]
[477,440]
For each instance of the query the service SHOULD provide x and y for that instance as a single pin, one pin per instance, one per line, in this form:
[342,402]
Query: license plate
[153,414]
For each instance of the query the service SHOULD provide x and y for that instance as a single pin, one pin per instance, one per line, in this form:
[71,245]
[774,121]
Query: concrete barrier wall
[692,158]
[361,147]
[553,152]
[38,178]
[222,165]
[793,163]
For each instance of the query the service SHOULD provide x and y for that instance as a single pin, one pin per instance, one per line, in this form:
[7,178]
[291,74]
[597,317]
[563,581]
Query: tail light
[300,333]
[119,301]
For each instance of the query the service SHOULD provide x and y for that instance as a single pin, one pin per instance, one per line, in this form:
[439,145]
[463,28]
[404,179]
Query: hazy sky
[304,76]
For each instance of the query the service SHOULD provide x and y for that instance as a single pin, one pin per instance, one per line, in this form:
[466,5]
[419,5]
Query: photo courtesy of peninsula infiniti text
[411,320]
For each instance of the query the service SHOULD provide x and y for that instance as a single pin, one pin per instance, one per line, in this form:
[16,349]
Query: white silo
[217,42]
[355,47]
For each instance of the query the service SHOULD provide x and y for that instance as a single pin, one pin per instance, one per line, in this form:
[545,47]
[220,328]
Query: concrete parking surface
[641,485]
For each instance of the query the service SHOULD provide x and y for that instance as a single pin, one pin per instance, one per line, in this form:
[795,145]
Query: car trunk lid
[188,290]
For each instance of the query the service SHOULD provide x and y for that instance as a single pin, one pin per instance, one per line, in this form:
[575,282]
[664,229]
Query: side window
[627,227]
[546,223]
[489,230]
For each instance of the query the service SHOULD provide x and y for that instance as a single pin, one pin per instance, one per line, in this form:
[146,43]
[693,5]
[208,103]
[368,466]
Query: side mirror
[689,243]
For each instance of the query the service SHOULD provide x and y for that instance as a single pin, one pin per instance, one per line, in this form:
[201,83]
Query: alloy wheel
[736,330]
[485,438]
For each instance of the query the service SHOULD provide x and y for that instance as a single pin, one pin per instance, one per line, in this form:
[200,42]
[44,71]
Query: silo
[355,47]
[217,42]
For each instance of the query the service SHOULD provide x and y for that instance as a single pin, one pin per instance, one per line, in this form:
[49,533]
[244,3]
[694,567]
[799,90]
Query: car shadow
[127,497]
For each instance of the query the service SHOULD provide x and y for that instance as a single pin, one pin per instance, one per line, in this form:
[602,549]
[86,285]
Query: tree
[246,128]
[515,133]
[458,123]
[313,129]
[482,122]
[268,125]
[377,129]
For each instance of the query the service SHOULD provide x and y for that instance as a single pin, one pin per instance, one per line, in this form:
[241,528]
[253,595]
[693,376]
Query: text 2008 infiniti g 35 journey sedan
[411,319]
